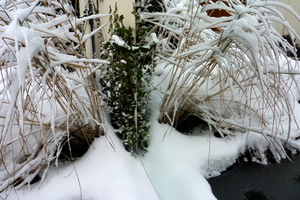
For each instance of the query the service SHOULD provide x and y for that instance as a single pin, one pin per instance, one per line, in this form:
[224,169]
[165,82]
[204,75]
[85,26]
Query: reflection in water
[255,195]
[252,181]
[297,178]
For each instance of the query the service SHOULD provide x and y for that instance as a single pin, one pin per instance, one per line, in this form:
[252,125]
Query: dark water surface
[252,181]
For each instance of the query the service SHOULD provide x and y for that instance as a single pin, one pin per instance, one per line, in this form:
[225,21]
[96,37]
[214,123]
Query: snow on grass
[176,165]
[104,172]
[33,76]
[230,77]
[174,168]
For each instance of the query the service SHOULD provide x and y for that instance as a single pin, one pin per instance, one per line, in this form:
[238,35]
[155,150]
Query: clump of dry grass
[228,71]
[47,89]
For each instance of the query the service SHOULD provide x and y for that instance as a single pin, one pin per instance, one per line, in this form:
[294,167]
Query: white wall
[125,8]
[295,4]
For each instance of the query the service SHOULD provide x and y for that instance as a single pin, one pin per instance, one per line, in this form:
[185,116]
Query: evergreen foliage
[127,81]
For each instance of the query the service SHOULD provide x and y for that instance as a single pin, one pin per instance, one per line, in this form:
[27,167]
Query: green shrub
[128,79]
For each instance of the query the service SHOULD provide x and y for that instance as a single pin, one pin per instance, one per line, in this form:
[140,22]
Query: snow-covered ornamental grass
[227,71]
[47,94]
[231,72]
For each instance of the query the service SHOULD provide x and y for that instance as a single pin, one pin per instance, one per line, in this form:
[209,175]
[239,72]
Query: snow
[116,39]
[174,168]
[176,165]
[111,173]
